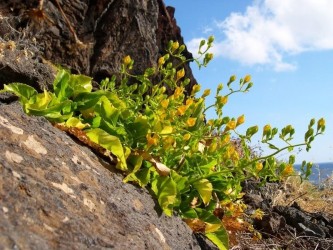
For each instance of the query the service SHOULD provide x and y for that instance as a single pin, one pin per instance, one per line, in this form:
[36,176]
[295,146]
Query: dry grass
[309,197]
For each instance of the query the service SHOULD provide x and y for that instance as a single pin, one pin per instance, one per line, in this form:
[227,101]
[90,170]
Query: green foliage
[163,141]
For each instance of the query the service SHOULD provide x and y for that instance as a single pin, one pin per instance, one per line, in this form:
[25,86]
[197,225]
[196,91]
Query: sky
[287,48]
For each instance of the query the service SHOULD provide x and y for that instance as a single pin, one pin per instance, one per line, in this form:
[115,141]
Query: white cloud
[269,30]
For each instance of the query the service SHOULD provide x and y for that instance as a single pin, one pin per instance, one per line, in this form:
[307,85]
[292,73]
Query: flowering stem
[250,163]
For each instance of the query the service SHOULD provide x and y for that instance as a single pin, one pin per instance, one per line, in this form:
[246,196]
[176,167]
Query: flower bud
[189,102]
[231,125]
[211,39]
[240,120]
[175,45]
[181,48]
[232,78]
[222,100]
[195,89]
[247,78]
[186,137]
[161,61]
[219,87]
[321,124]
[206,93]
[180,73]
[267,130]
[127,60]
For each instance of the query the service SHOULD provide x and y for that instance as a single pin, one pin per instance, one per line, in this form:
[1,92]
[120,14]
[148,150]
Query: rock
[169,30]
[92,37]
[271,223]
[259,196]
[56,194]
[305,222]
[19,64]
[278,217]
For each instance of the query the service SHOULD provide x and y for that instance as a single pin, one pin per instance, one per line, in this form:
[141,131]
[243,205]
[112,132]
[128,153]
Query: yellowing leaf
[109,142]
[219,238]
[210,228]
[75,122]
[166,130]
[205,189]
[197,225]
[23,91]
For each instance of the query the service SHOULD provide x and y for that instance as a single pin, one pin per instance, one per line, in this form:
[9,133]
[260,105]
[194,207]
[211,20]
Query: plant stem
[251,162]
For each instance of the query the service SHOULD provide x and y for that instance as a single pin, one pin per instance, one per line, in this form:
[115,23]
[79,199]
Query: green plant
[163,141]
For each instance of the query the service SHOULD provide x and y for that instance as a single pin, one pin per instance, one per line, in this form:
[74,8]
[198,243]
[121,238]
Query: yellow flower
[231,125]
[240,120]
[232,153]
[181,110]
[247,78]
[259,166]
[152,140]
[206,93]
[161,61]
[168,142]
[186,137]
[222,100]
[180,73]
[210,122]
[162,116]
[178,92]
[226,139]
[165,103]
[288,170]
[189,102]
[127,60]
[175,45]
[191,121]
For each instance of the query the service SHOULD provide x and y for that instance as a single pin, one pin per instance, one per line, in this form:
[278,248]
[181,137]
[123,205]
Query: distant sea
[320,172]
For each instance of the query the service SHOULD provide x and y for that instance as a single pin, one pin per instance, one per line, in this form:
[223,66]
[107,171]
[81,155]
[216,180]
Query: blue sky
[286,46]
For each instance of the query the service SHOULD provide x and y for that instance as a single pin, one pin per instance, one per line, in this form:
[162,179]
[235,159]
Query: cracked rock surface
[57,194]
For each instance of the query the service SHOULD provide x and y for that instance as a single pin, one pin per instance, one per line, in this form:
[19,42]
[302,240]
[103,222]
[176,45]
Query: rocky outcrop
[92,37]
[56,194]
[287,226]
